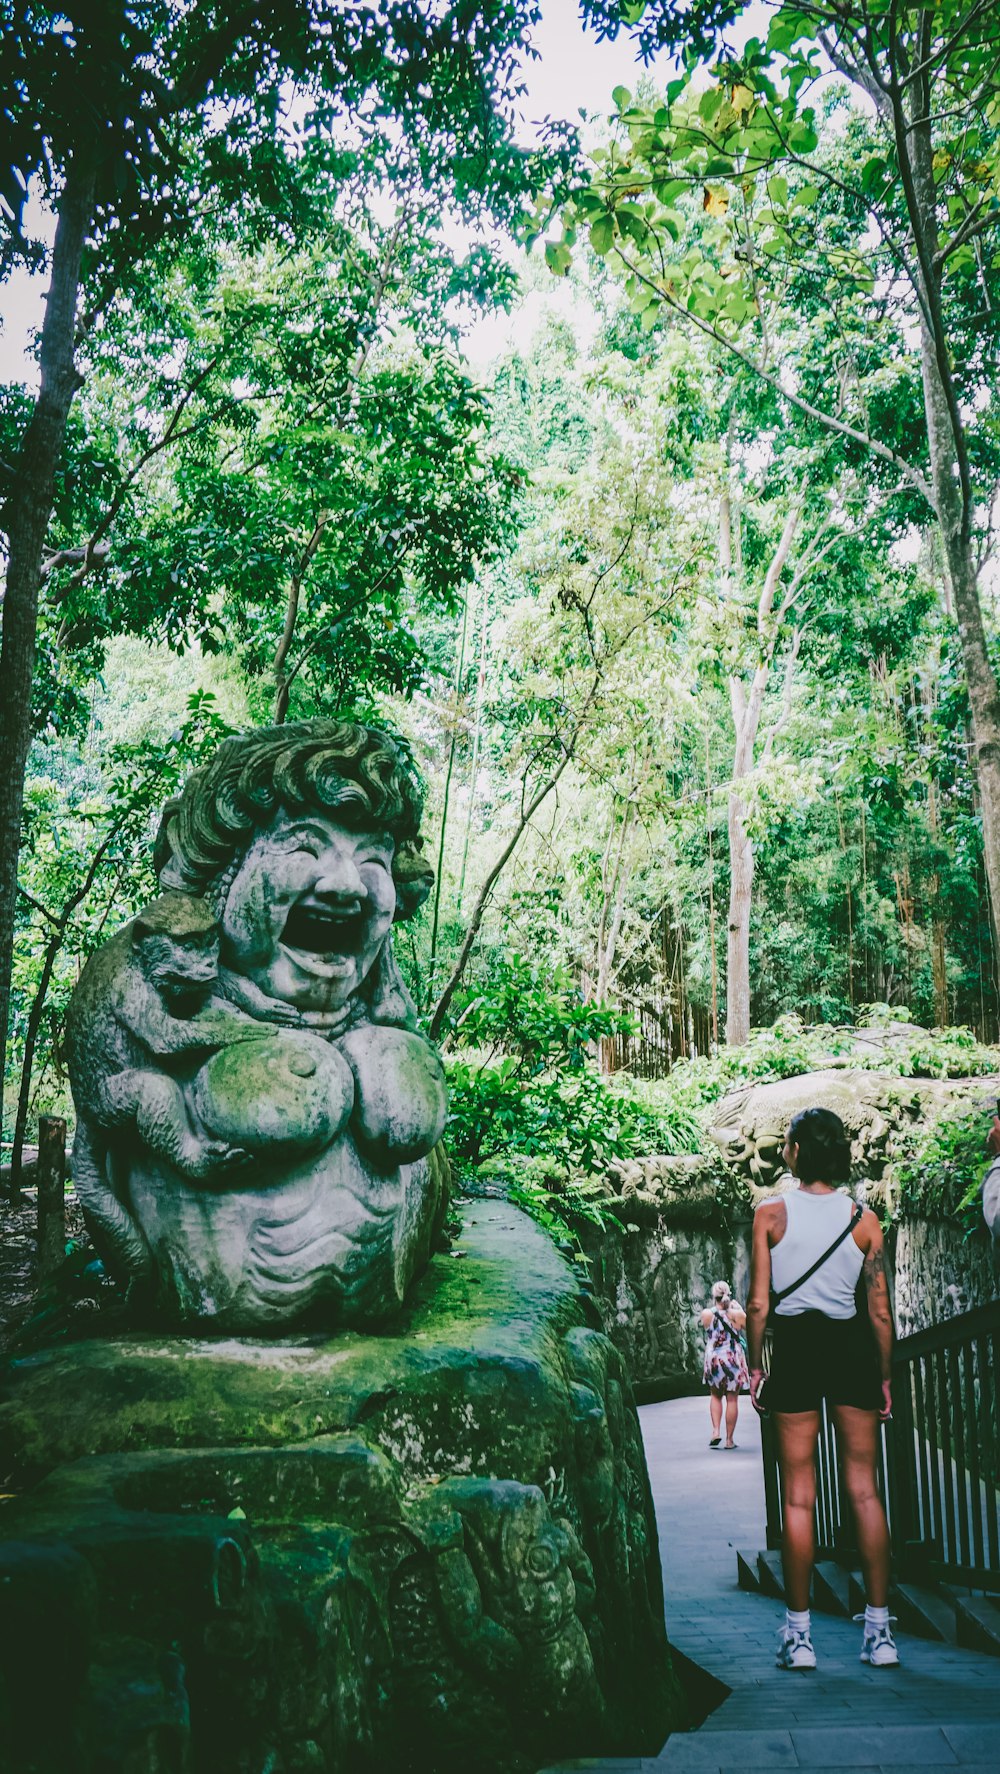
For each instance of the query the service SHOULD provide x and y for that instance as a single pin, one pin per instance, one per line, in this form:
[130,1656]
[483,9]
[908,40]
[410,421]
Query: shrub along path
[940,1709]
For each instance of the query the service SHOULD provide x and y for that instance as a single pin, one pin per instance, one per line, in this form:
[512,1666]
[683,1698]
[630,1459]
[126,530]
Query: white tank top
[811,1225]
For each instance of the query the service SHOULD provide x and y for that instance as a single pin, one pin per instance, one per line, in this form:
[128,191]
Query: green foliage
[529,1105]
[940,1176]
[103,807]
[792,223]
[790,1047]
[277,428]
[539,1021]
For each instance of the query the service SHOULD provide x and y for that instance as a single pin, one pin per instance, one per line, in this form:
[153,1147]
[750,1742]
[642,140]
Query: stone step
[977,1620]
[772,1581]
[831,1592]
[856,1597]
[747,1574]
[924,1612]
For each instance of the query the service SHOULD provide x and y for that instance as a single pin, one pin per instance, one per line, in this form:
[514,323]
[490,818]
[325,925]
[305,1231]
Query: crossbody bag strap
[854,1220]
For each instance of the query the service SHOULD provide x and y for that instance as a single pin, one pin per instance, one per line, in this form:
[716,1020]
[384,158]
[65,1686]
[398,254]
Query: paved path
[940,1709]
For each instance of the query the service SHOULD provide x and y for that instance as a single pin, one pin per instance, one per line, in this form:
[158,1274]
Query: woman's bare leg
[797,1433]
[732,1412]
[715,1411]
[857,1432]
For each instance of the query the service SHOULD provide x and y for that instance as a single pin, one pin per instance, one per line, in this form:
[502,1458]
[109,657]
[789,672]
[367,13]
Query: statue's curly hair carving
[356,773]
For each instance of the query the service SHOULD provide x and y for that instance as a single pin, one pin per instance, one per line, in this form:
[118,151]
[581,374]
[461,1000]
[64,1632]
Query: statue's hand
[229,1157]
[206,1158]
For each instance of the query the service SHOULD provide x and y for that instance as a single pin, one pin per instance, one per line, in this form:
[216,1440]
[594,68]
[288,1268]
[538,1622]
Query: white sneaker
[795,1650]
[878,1646]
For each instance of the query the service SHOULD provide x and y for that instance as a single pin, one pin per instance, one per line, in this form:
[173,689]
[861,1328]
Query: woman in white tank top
[812,1221]
[810,1247]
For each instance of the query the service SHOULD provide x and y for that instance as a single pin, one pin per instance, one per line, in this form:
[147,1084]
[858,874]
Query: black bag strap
[854,1220]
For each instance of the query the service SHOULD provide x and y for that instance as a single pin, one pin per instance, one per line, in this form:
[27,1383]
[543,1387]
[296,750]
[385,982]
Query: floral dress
[725,1363]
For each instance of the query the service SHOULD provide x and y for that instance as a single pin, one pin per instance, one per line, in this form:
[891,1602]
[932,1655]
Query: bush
[940,1176]
[529,1105]
[791,1047]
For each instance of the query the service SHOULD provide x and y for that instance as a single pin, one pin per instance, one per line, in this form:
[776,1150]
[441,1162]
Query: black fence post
[51,1176]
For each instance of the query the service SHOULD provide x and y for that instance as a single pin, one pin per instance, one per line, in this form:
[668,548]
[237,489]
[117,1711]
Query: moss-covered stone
[432,1549]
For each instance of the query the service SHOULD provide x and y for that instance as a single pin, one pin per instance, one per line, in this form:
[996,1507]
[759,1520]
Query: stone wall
[939,1272]
[651,1282]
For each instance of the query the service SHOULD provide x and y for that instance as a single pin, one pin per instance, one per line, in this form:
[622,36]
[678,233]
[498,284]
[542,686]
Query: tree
[134,120]
[583,658]
[806,518]
[317,476]
[891,211]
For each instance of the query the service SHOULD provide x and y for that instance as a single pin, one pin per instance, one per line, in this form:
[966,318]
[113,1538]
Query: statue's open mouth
[323,931]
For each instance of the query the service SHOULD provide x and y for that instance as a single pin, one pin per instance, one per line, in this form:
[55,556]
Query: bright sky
[574,70]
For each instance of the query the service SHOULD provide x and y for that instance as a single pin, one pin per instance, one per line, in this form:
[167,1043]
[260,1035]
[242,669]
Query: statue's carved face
[309,908]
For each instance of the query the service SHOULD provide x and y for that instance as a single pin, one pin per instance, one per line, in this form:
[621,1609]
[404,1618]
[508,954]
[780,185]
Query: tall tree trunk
[29,511]
[476,743]
[738,934]
[711,892]
[60,924]
[747,706]
[939,927]
[483,899]
[951,476]
[612,913]
[446,803]
[984,702]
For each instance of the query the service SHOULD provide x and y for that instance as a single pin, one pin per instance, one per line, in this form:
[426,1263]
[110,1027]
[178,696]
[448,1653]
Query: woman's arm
[879,1309]
[765,1220]
[707,1316]
[737,1316]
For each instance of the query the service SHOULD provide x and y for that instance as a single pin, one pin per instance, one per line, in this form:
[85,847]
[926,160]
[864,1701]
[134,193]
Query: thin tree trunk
[612,913]
[850,911]
[61,924]
[613,905]
[864,902]
[476,743]
[280,672]
[29,512]
[939,938]
[711,893]
[435,922]
[950,470]
[984,702]
[681,995]
[747,706]
[483,899]
[738,929]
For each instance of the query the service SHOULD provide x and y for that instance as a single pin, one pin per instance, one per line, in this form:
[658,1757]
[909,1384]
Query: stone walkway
[940,1709]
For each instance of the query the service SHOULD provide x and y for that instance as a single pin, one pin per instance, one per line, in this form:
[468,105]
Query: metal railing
[939,1459]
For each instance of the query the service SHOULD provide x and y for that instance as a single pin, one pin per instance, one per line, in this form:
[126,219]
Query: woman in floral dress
[725,1373]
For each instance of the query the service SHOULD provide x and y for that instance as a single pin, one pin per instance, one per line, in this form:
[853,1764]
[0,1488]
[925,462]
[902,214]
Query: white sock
[876,1616]
[797,1622]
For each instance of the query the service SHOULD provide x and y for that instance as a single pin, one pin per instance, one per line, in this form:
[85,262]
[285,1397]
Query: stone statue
[256,1112]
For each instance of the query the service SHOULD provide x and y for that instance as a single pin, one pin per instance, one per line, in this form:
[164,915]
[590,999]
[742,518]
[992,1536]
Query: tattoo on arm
[874,1268]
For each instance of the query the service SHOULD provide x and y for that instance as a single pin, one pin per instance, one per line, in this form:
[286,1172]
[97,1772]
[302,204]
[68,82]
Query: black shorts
[814,1357]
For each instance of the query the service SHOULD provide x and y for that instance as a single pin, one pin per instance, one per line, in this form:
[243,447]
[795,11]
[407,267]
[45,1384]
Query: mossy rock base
[433,1549]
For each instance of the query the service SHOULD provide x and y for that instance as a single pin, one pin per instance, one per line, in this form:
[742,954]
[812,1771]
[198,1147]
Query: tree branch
[827,420]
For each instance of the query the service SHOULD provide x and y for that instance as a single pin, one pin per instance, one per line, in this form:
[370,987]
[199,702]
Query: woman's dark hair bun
[824,1148]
